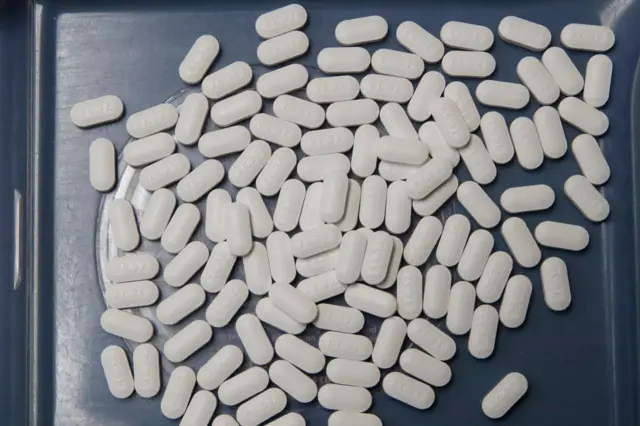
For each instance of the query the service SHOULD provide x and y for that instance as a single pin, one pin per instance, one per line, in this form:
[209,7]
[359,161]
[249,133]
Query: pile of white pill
[365,173]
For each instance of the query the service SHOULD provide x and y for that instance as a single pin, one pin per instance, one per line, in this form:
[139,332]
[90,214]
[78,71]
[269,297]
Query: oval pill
[281,262]
[249,164]
[224,420]
[409,292]
[361,30]
[239,229]
[405,151]
[351,418]
[561,235]
[555,284]
[386,88]
[550,132]
[396,171]
[459,63]
[333,89]
[350,257]
[282,48]
[308,243]
[370,300]
[164,172]
[396,63]
[327,141]
[484,328]
[198,59]
[254,339]
[227,303]
[521,243]
[243,386]
[530,198]
[281,21]
[593,38]
[460,311]
[317,167]
[157,214]
[227,80]
[502,94]
[416,39]
[102,165]
[353,373]
[373,200]
[180,304]
[398,211]
[389,342]
[563,71]
[193,113]
[200,181]
[275,130]
[187,341]
[281,81]
[293,302]
[494,277]
[298,111]
[322,287]
[515,301]
[289,205]
[347,346]
[451,122]
[431,339]
[341,397]
[597,81]
[177,393]
[352,113]
[496,137]
[219,367]
[132,267]
[461,35]
[200,409]
[437,198]
[261,408]
[590,159]
[479,205]
[291,380]
[526,143]
[299,353]
[409,391]
[236,108]
[335,189]
[339,318]
[216,215]
[394,265]
[339,60]
[504,395]
[123,225]
[141,152]
[184,266]
[377,256]
[437,289]
[152,120]
[586,198]
[459,93]
[261,223]
[126,325]
[523,33]
[428,178]
[93,112]
[146,370]
[269,314]
[454,237]
[225,141]
[350,217]
[117,371]
[422,241]
[218,268]
[425,367]
[430,87]
[256,270]
[475,255]
[538,80]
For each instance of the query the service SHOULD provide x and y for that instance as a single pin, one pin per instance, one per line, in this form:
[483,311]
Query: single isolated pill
[177,393]
[254,339]
[521,243]
[281,21]
[583,116]
[386,88]
[219,367]
[333,89]
[484,328]
[430,88]
[370,300]
[193,113]
[187,341]
[494,277]
[515,301]
[117,371]
[122,221]
[141,152]
[451,122]
[339,318]
[526,143]
[437,289]
[591,159]
[416,39]
[431,339]
[227,303]
[523,199]
[538,80]
[347,398]
[555,284]
[561,235]
[587,198]
[425,367]
[478,161]
[146,370]
[389,342]
[497,139]
[152,120]
[225,141]
[502,94]
[523,33]
[399,64]
[102,165]
[475,255]
[597,81]
[340,60]
[282,48]
[454,237]
[422,241]
[563,71]
[593,38]
[227,80]
[157,214]
[361,30]
[408,390]
[93,112]
[504,395]
[460,311]
[479,205]
[283,80]
[550,132]
[198,59]
[299,353]
[459,63]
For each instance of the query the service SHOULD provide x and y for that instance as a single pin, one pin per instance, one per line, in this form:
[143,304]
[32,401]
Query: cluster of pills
[342,201]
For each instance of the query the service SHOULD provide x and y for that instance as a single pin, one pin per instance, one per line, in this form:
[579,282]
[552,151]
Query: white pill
[218,268]
[479,205]
[123,225]
[484,328]
[227,80]
[429,88]
[496,137]
[322,287]
[93,112]
[293,302]
[227,303]
[597,81]
[283,48]
[238,229]
[350,218]
[352,113]
[198,59]
[269,314]
[353,373]
[392,172]
[394,265]
[333,89]
[347,398]
[308,243]
[157,214]
[339,318]
[523,199]
[275,130]
[152,120]
[193,113]
[422,241]
[521,243]
[254,339]
[187,341]
[389,342]
[377,256]
[425,367]
[561,235]
[409,391]
[126,325]
[215,219]
[236,108]
[164,172]
[590,159]
[289,205]
[335,189]
[281,262]
[563,71]
[351,418]
[475,255]
[431,339]
[300,353]
[291,419]
[200,181]
[555,284]
[148,150]
[298,111]
[117,371]
[386,88]
[538,80]
[526,143]
[102,165]
[396,63]
[180,228]
[184,266]
[550,132]
[494,277]
[451,122]
[146,370]
[515,301]
[524,33]
[243,386]
[458,63]
[281,21]
[318,264]
[432,202]
[361,30]
[409,293]
[348,346]
[224,420]
[454,237]
[178,392]
[261,223]
[220,367]
[281,81]
[180,304]
[398,210]
[327,141]
[339,60]
[200,409]
[350,257]
[504,395]
[249,164]
[370,300]
[373,201]
[586,198]
[261,408]
[593,38]
[310,215]
[478,161]
[404,151]
[317,167]
[460,310]
[132,267]
[256,269]
[437,289]
[416,39]
[461,35]
[293,381]
[459,93]
[502,94]
[222,142]
[428,178]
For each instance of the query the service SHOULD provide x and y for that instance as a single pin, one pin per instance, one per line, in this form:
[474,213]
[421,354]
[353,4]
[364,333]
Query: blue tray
[582,364]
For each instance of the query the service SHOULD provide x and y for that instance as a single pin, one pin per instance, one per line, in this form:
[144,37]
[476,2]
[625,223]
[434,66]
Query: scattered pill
[396,63]
[141,152]
[177,393]
[370,300]
[526,143]
[597,81]
[236,108]
[146,370]
[283,48]
[227,80]
[561,235]
[218,268]
[494,277]
[555,284]
[460,310]
[454,237]
[198,59]
[117,371]
[521,243]
[333,89]
[351,418]
[479,205]
[300,353]
[256,269]
[361,30]
[243,386]
[593,38]
[538,80]
[458,63]
[269,314]
[124,228]
[193,113]
[261,408]
[93,112]
[451,122]
[432,202]
[416,39]
[430,88]
[422,241]
[281,21]
[523,33]
[254,339]
[583,116]
[389,342]
[187,341]
[259,216]
[496,137]
[184,266]
[386,88]
[339,60]
[425,367]
[586,198]
[502,94]
[431,339]
[281,81]
[152,120]
[227,303]
[289,205]
[409,391]
[504,395]
[294,382]
[220,367]
[222,142]
[475,255]
[180,304]
[102,165]
[515,301]
[132,267]
[590,159]
[200,181]
[278,130]
[317,167]
[157,214]
[347,346]
[437,289]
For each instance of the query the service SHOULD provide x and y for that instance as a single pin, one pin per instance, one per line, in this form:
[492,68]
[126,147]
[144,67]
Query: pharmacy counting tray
[582,364]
